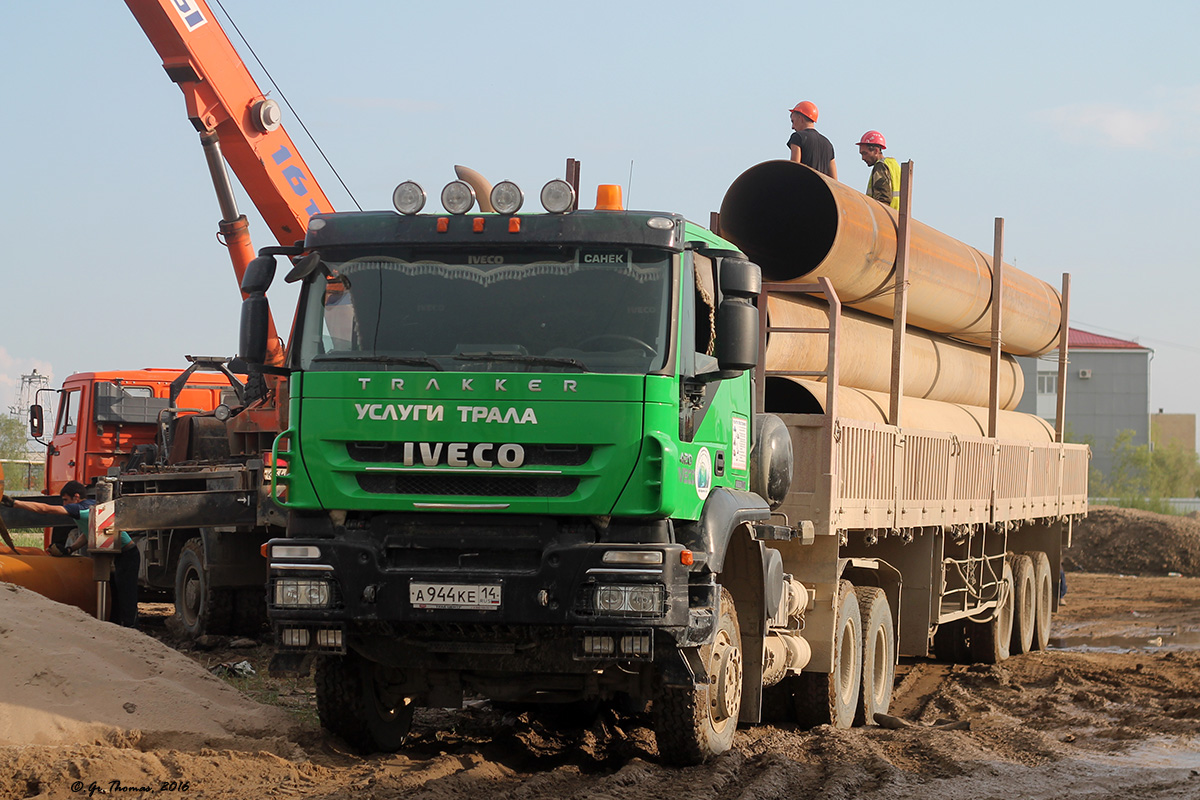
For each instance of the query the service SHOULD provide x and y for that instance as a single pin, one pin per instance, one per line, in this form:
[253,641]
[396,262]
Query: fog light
[295,551]
[635,645]
[299,592]
[409,197]
[293,637]
[458,197]
[598,645]
[329,637]
[558,197]
[507,198]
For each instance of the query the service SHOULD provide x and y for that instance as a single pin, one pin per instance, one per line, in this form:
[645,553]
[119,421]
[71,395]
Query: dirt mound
[1130,541]
[73,679]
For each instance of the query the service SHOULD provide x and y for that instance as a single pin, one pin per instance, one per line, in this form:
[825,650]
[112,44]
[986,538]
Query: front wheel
[355,702]
[697,723]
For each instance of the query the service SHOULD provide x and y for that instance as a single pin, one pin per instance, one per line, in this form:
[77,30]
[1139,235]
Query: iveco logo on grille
[463,454]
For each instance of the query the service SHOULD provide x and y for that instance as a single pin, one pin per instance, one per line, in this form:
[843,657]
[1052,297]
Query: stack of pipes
[799,226]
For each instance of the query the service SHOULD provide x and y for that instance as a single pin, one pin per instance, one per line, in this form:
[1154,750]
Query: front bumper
[464,602]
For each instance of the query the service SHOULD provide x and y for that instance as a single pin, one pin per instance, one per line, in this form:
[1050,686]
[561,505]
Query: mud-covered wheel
[878,654]
[355,703]
[990,640]
[1024,604]
[832,699]
[200,607]
[692,725]
[1043,602]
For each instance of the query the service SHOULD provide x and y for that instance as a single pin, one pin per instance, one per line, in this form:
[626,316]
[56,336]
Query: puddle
[1147,640]
[1160,753]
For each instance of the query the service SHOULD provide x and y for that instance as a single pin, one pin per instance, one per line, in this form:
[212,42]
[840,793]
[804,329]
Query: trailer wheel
[1024,604]
[200,607]
[832,699]
[692,725]
[990,640]
[1043,600]
[878,654]
[353,702]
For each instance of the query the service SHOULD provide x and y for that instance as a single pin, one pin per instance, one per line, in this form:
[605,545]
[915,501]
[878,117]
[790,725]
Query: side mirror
[37,425]
[259,274]
[252,336]
[737,316]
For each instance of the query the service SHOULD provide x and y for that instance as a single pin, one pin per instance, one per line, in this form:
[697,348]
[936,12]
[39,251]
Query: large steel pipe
[789,395]
[795,222]
[935,367]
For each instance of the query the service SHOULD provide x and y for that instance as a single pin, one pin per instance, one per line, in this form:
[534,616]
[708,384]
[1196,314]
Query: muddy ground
[1117,715]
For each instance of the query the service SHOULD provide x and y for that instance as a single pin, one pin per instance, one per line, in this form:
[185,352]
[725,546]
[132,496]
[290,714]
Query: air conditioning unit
[1085,374]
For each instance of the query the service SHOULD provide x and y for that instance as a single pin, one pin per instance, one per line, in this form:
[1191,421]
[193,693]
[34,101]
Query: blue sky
[1080,125]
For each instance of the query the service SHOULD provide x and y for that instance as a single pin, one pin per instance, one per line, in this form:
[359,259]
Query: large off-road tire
[350,704]
[1024,604]
[694,724]
[201,608]
[1043,602]
[832,699]
[878,654]
[990,640]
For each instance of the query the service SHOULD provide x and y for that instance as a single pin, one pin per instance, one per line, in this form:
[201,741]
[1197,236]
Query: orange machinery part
[66,579]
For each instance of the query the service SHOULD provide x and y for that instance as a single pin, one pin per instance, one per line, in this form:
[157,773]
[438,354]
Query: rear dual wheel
[1043,599]
[833,698]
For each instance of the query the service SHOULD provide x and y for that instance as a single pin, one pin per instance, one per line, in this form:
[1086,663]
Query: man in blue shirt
[126,564]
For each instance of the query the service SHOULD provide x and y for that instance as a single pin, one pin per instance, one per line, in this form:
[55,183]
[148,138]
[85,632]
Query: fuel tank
[935,367]
[66,579]
[796,223]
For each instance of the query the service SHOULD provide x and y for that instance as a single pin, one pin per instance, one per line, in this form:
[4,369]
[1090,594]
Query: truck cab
[517,461]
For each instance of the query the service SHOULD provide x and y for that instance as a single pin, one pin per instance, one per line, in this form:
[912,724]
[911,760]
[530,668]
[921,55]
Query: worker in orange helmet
[807,145]
[884,183]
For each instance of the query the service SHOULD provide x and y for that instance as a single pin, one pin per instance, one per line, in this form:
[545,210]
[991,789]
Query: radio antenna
[629,187]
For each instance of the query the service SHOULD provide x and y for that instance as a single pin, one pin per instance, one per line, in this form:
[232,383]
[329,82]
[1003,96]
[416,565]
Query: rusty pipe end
[782,215]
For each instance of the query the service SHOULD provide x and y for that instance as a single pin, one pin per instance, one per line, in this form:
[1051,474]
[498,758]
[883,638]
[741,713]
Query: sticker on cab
[704,473]
[740,442]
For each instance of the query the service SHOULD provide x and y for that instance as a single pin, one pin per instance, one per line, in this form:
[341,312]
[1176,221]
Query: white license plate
[454,595]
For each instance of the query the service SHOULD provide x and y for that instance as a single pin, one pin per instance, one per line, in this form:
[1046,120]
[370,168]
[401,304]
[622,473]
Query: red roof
[1077,339]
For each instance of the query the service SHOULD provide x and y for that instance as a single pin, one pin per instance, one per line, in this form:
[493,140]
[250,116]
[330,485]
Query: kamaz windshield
[602,309]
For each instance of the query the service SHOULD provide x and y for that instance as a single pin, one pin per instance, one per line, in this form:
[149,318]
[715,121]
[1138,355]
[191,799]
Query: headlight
[639,600]
[297,592]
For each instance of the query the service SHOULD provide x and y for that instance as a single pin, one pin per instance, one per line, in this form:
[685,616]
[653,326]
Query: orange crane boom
[237,122]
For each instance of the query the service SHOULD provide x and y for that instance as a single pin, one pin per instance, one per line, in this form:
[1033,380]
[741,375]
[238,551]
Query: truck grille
[458,485]
[536,455]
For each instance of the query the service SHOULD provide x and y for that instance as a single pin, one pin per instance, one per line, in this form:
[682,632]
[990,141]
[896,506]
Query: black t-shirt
[815,150]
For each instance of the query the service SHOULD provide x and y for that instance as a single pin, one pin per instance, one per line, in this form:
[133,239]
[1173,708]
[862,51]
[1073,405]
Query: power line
[286,102]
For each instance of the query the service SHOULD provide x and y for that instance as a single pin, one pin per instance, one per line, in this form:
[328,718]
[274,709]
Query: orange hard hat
[875,138]
[807,109]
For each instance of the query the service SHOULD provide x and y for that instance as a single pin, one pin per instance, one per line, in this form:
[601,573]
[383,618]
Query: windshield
[551,309]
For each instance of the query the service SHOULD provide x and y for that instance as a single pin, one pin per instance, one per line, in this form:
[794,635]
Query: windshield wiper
[417,361]
[554,361]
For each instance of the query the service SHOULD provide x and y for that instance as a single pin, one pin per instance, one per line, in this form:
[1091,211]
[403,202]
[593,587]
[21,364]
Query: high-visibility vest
[893,167]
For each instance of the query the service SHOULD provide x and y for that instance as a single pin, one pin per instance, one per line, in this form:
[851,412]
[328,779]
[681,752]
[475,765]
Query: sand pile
[70,678]
[1130,541]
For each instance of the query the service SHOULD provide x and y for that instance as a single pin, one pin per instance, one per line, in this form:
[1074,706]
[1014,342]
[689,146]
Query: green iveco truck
[522,459]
